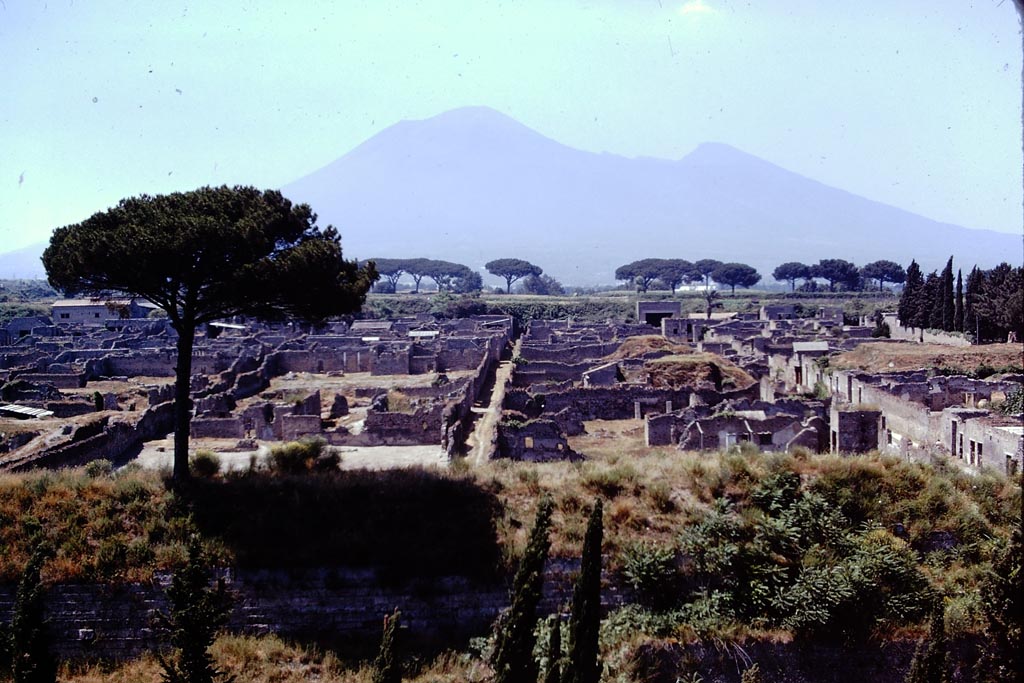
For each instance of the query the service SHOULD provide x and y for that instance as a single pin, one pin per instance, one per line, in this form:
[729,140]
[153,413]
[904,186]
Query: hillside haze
[471,184]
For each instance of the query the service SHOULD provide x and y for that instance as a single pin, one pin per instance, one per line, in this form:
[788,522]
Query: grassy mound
[696,370]
[643,345]
[123,527]
[895,357]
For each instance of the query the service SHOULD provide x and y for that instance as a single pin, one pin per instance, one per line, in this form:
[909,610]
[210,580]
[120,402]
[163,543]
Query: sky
[915,103]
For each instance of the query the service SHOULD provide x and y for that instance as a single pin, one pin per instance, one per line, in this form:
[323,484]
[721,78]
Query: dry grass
[642,345]
[268,659]
[895,357]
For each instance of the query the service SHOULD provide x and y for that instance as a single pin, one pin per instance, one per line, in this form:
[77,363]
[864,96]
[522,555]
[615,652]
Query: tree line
[461,279]
[838,273]
[672,273]
[990,305]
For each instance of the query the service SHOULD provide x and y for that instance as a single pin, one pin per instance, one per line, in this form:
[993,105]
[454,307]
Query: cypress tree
[907,309]
[975,284]
[197,612]
[386,668]
[948,304]
[929,663]
[582,665]
[554,651]
[31,659]
[958,315]
[929,310]
[513,660]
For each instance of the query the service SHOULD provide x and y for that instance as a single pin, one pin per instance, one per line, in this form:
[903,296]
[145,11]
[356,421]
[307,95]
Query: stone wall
[334,606]
[898,331]
[854,431]
[111,442]
[217,428]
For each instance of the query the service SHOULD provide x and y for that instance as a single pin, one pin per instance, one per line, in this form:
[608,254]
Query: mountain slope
[471,184]
[23,263]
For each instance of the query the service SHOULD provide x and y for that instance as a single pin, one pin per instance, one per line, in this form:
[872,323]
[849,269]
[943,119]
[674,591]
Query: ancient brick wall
[331,605]
[217,428]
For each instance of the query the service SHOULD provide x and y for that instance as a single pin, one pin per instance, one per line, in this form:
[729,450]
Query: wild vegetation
[733,546]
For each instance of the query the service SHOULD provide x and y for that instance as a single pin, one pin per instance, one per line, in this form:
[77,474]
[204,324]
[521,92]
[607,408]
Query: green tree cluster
[671,272]
[990,307]
[447,276]
[839,273]
[792,559]
[512,270]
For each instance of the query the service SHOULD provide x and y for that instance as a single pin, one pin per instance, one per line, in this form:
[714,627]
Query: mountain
[23,263]
[472,184]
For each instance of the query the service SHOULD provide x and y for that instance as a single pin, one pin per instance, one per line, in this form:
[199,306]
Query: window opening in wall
[1011,466]
[765,438]
[528,442]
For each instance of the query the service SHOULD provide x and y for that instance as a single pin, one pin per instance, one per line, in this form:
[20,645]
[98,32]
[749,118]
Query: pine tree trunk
[182,400]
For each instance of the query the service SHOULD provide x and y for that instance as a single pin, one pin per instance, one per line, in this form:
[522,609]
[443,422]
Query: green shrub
[651,571]
[660,494]
[99,468]
[612,481]
[197,613]
[387,668]
[296,457]
[1014,403]
[328,461]
[204,464]
[111,558]
[139,553]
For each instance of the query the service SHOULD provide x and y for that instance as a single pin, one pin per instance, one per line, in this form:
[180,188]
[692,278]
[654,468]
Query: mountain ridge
[472,184]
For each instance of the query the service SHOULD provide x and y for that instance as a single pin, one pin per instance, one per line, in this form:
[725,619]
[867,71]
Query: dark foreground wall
[328,606]
[335,607]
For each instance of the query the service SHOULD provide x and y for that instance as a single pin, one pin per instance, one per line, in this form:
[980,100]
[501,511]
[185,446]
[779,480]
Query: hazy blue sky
[915,103]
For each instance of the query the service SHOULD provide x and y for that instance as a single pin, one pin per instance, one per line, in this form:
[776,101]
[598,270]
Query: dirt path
[159,455]
[481,442]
